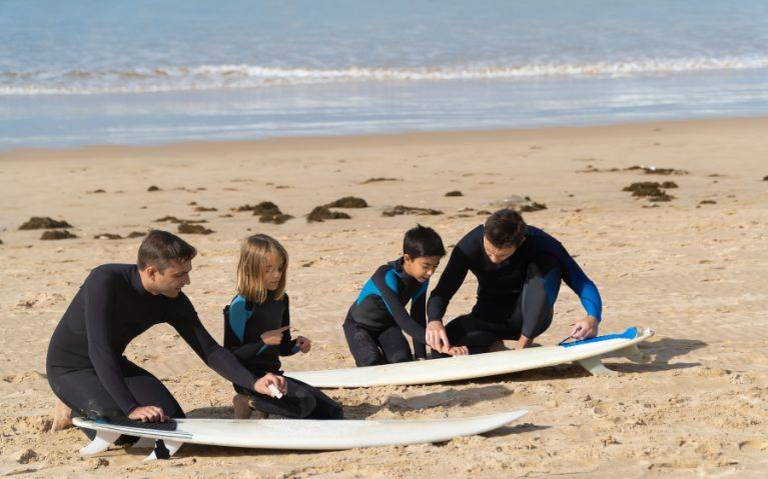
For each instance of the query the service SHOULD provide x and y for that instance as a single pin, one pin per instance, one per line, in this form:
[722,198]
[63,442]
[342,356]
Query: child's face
[421,268]
[274,272]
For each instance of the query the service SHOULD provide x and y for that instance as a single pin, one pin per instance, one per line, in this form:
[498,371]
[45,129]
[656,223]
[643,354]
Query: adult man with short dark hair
[519,269]
[117,302]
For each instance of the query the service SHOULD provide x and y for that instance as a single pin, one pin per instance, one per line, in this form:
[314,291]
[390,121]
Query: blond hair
[255,253]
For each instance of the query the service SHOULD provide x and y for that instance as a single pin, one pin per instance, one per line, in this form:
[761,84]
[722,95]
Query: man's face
[421,268]
[173,278]
[495,254]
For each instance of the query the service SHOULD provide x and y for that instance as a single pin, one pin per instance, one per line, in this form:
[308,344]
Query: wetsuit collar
[136,282]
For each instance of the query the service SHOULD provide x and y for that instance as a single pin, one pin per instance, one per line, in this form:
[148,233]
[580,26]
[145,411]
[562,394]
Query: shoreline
[381,138]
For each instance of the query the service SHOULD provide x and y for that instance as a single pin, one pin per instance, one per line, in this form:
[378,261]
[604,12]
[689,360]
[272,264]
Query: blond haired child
[257,331]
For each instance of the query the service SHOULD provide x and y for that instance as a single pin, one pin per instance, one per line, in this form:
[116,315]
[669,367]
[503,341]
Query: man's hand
[585,328]
[274,336]
[261,386]
[436,337]
[457,351]
[304,344]
[148,414]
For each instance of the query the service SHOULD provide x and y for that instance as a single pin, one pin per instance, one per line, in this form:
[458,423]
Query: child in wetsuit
[376,320]
[257,331]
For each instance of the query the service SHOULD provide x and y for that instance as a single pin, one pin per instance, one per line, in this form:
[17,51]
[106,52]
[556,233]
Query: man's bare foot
[497,346]
[242,407]
[62,416]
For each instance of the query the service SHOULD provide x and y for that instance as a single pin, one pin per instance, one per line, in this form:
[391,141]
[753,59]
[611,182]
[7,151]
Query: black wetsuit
[244,323]
[85,365]
[375,322]
[514,297]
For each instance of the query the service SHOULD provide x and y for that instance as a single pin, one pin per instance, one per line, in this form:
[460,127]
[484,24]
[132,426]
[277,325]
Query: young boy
[375,322]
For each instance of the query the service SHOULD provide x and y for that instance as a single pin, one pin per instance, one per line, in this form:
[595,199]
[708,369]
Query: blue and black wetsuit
[85,363]
[244,323]
[375,322]
[514,297]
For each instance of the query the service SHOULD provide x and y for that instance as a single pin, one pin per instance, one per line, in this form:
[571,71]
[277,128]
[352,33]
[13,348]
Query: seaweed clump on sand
[652,190]
[765,178]
[190,229]
[410,210]
[43,222]
[379,179]
[532,206]
[454,193]
[267,211]
[322,213]
[707,202]
[109,236]
[175,220]
[153,188]
[57,235]
[652,170]
[521,204]
[348,202]
[203,209]
[277,218]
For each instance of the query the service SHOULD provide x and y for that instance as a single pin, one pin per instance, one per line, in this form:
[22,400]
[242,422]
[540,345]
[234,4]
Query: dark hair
[160,248]
[505,228]
[422,241]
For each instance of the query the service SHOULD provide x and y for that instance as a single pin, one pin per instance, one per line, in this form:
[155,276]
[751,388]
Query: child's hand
[304,344]
[274,336]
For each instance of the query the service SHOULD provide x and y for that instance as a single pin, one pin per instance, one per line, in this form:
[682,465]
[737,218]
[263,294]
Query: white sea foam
[212,77]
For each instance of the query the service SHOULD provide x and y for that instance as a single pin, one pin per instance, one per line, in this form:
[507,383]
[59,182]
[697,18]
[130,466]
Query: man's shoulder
[109,272]
[472,240]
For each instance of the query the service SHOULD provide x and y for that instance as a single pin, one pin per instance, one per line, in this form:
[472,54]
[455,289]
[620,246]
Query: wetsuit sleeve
[396,309]
[287,345]
[99,297]
[449,283]
[188,325]
[578,281]
[418,313]
[240,350]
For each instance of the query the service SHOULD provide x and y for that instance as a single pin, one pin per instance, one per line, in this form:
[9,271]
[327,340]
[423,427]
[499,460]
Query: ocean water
[91,72]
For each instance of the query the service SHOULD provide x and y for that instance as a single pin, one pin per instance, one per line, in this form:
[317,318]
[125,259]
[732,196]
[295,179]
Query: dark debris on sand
[267,211]
[648,170]
[190,229]
[652,190]
[57,235]
[153,188]
[410,210]
[97,191]
[43,222]
[765,178]
[379,179]
[173,219]
[109,236]
[483,212]
[278,218]
[136,234]
[322,213]
[521,204]
[348,202]
[532,206]
[203,209]
[454,193]
[707,202]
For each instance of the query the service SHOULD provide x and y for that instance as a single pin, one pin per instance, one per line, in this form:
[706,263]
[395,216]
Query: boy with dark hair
[85,364]
[376,320]
[519,269]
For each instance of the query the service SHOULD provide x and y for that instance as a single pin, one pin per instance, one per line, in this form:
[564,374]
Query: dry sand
[695,273]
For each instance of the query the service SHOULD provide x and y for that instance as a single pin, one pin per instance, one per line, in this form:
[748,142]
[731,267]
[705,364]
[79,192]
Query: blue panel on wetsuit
[238,316]
[552,286]
[630,333]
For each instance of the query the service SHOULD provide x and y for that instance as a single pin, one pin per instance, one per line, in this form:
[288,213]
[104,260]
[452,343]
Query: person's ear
[151,272]
[407,258]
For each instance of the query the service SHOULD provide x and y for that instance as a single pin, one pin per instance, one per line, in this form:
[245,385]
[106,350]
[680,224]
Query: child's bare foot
[260,414]
[497,346]
[62,416]
[242,407]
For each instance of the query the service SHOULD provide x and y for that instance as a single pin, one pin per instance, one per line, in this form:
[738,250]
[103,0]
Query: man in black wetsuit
[519,269]
[85,364]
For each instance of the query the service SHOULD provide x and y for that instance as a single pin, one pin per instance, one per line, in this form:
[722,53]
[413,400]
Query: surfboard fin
[100,443]
[143,443]
[595,367]
[164,449]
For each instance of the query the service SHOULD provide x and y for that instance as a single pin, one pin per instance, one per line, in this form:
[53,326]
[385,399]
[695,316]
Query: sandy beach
[689,268]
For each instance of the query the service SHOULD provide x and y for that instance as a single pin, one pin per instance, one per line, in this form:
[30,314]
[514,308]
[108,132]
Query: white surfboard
[296,434]
[587,353]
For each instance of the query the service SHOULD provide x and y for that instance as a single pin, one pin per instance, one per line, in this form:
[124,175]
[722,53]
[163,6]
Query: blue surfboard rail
[630,333]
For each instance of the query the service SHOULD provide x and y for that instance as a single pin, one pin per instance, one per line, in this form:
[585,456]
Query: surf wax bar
[275,392]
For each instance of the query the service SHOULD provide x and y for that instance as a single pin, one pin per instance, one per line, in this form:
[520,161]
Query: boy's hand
[261,386]
[436,337]
[458,351]
[274,336]
[585,328]
[304,344]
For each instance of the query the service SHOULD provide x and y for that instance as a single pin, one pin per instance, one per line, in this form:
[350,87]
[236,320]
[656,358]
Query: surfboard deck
[587,353]
[295,434]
